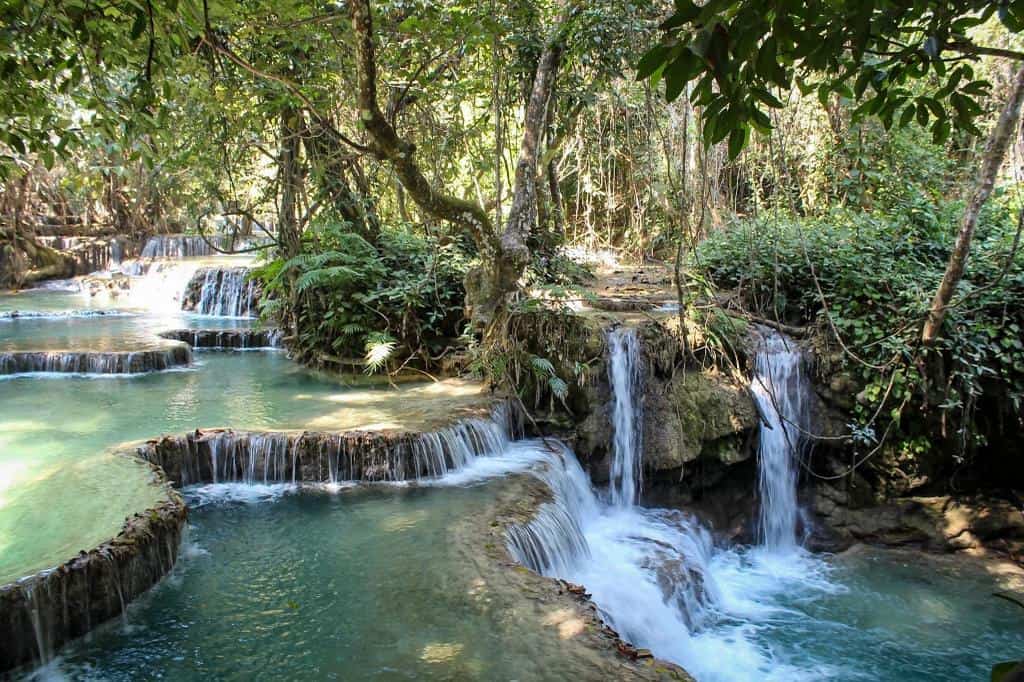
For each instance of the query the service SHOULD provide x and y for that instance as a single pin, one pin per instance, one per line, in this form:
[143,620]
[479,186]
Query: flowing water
[360,583]
[779,388]
[56,430]
[772,611]
[624,378]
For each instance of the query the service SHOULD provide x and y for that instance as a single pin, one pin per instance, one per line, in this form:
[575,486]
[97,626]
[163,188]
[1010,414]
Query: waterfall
[95,362]
[627,416]
[223,292]
[553,541]
[183,246]
[90,254]
[225,456]
[226,339]
[778,387]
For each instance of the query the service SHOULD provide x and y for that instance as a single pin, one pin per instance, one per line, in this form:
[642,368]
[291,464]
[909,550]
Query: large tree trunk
[995,152]
[499,278]
[289,183]
[503,256]
[330,169]
[386,145]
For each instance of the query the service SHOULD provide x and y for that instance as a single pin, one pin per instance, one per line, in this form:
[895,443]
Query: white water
[655,574]
[778,388]
[624,377]
[225,292]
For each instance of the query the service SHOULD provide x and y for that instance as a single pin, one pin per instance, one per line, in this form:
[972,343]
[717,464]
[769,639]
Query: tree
[504,255]
[739,51]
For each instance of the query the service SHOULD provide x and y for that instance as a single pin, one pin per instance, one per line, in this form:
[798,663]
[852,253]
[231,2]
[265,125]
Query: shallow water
[60,490]
[363,584]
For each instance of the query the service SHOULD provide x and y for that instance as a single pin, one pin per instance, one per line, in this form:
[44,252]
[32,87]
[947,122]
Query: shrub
[348,298]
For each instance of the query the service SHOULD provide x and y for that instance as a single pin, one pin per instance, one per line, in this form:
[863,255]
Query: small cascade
[38,615]
[438,453]
[553,541]
[222,292]
[624,375]
[778,387]
[159,286]
[227,339]
[178,246]
[90,254]
[226,456]
[11,315]
[95,362]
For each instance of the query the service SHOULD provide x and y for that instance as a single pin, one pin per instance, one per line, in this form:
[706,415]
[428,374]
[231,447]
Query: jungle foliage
[361,304]
[862,281]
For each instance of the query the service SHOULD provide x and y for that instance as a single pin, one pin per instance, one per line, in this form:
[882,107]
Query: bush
[348,298]
[877,274]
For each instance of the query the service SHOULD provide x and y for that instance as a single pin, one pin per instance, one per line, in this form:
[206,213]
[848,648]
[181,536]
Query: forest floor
[622,288]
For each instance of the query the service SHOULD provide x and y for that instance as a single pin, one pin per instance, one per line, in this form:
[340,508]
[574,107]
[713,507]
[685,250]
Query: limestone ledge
[564,610]
[96,362]
[40,613]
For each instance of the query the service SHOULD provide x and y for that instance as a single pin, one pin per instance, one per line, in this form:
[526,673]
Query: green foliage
[739,51]
[876,273]
[402,296]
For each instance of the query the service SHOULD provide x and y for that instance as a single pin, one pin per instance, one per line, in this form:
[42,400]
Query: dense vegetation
[419,167]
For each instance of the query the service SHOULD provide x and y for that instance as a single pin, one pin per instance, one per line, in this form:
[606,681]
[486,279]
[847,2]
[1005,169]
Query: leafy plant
[351,299]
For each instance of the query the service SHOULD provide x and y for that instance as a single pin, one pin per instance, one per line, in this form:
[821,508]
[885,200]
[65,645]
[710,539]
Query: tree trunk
[499,278]
[289,238]
[330,164]
[503,257]
[992,159]
[387,146]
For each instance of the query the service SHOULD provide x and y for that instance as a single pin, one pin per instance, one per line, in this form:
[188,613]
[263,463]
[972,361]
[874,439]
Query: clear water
[60,489]
[364,584]
[376,583]
[773,611]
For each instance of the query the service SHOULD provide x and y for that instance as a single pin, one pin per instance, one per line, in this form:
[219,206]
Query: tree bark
[503,256]
[992,159]
[331,165]
[387,146]
[288,232]
[499,278]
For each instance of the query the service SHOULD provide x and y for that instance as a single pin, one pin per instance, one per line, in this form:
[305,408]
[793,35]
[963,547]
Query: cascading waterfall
[654,574]
[627,419]
[183,246]
[90,254]
[222,292]
[311,457]
[95,362]
[778,387]
[227,339]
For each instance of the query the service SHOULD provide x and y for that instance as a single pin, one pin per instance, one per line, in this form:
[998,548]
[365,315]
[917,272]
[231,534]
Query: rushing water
[769,612]
[624,377]
[223,292]
[779,389]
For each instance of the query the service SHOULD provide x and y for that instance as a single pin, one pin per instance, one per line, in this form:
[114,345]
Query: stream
[366,582]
